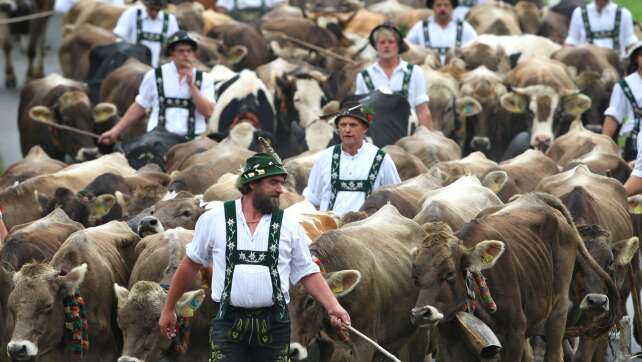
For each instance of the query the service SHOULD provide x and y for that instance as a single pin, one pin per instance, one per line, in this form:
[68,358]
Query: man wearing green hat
[256,251]
[150,26]
[395,74]
[180,97]
[345,174]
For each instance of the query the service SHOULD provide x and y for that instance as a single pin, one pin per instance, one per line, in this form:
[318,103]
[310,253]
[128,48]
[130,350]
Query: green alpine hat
[261,165]
[181,36]
[158,3]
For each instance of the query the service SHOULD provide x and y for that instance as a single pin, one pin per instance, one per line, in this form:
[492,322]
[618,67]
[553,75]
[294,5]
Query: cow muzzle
[426,316]
[542,142]
[595,302]
[297,352]
[7,6]
[149,225]
[87,154]
[129,359]
[22,350]
[597,128]
[480,144]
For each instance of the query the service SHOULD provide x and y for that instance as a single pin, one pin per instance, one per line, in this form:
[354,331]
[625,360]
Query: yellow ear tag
[494,187]
[486,258]
[637,210]
[337,288]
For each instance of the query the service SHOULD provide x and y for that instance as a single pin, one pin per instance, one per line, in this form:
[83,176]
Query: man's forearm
[633,185]
[318,288]
[181,281]
[203,105]
[609,127]
[424,116]
[133,114]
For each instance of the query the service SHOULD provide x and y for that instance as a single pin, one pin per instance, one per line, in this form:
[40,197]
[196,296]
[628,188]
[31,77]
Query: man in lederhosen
[150,26]
[604,24]
[247,10]
[441,31]
[180,97]
[625,109]
[256,251]
[395,74]
[345,174]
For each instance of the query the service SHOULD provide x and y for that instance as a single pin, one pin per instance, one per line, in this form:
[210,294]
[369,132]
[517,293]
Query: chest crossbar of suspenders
[145,35]
[443,50]
[407,74]
[637,111]
[168,102]
[236,9]
[613,34]
[268,258]
[364,186]
[468,3]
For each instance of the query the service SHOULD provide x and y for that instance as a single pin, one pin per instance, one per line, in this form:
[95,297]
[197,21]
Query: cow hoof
[10,83]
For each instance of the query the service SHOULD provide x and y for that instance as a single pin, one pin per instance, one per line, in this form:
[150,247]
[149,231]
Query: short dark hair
[245,188]
[429,3]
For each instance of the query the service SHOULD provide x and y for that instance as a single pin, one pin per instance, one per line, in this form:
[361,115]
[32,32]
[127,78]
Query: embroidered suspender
[407,74]
[637,111]
[468,3]
[614,33]
[268,258]
[168,102]
[443,50]
[352,185]
[236,10]
[145,35]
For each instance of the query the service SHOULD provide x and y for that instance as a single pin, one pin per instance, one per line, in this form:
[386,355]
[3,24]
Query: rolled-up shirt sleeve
[619,106]
[147,91]
[315,184]
[208,90]
[124,26]
[469,34]
[388,174]
[414,36]
[628,34]
[575,29]
[419,87]
[200,249]
[301,264]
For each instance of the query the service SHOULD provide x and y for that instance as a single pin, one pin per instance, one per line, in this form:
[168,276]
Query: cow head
[181,211]
[544,103]
[306,95]
[598,87]
[36,306]
[309,319]
[73,109]
[8,6]
[439,271]
[85,208]
[139,310]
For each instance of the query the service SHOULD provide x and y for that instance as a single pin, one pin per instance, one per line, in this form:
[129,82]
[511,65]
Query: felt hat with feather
[264,164]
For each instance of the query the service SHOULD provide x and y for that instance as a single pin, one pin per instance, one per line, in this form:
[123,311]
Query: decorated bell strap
[76,326]
[477,281]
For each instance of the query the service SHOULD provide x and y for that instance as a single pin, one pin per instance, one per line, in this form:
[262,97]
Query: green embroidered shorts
[249,335]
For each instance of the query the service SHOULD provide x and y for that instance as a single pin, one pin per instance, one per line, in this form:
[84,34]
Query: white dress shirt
[176,118]
[601,22]
[126,29]
[244,4]
[440,37]
[461,11]
[416,90]
[620,107]
[352,167]
[251,284]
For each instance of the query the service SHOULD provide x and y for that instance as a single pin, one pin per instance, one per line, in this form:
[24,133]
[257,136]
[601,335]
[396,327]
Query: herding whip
[66,128]
[381,349]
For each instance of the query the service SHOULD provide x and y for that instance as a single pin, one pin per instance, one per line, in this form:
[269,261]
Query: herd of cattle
[551,228]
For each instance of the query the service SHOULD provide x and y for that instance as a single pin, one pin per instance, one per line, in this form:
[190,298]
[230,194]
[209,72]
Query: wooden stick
[381,349]
[314,47]
[18,19]
[637,324]
[66,128]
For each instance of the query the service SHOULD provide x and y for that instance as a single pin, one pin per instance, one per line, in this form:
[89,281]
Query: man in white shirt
[345,174]
[604,24]
[181,98]
[395,74]
[462,9]
[247,10]
[441,31]
[625,109]
[256,251]
[150,26]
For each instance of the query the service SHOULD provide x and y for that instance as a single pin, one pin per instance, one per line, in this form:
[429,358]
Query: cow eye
[186,213]
[449,277]
[309,302]
[45,308]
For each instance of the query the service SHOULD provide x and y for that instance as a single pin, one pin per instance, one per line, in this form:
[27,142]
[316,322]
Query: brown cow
[140,304]
[36,162]
[477,54]
[475,164]
[371,278]
[179,153]
[430,146]
[89,262]
[496,18]
[407,164]
[404,196]
[189,16]
[299,168]
[104,15]
[63,101]
[178,210]
[545,88]
[240,34]
[78,41]
[530,282]
[598,152]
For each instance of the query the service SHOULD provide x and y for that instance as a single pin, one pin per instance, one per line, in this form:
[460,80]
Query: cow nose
[542,142]
[21,350]
[480,144]
[595,301]
[87,154]
[149,225]
[426,315]
[298,352]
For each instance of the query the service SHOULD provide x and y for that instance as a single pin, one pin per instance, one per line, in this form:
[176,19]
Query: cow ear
[121,295]
[513,102]
[72,280]
[104,111]
[484,255]
[41,113]
[236,54]
[103,204]
[495,180]
[635,204]
[625,250]
[468,106]
[576,104]
[189,302]
[343,282]
[41,201]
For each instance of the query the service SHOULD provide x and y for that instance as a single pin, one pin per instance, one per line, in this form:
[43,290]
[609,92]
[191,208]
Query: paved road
[9,98]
